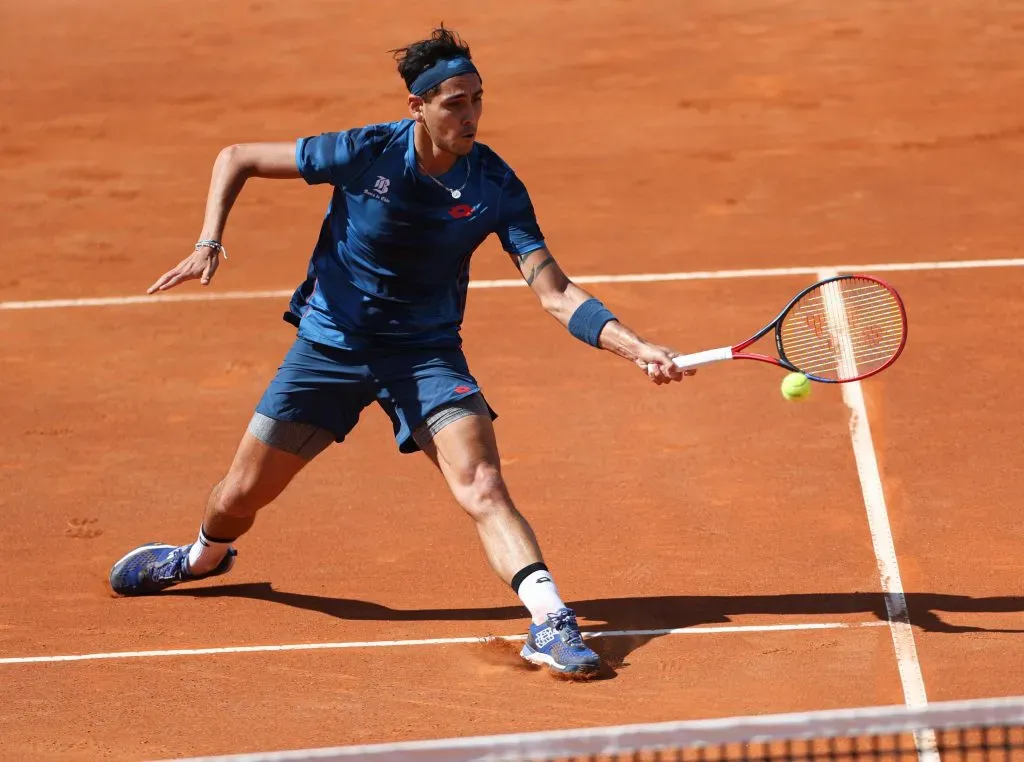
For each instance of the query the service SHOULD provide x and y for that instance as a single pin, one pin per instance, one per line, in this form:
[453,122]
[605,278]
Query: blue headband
[439,72]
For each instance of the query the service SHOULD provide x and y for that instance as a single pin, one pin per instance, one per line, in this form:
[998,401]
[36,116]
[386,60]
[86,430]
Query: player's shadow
[658,613]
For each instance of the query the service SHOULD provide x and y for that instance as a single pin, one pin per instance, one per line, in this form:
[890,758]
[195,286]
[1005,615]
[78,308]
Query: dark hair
[417,57]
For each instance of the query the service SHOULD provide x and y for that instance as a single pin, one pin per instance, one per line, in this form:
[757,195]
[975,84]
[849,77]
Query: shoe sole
[121,562]
[542,659]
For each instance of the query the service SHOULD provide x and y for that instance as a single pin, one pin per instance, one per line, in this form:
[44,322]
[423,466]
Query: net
[845,328]
[990,730]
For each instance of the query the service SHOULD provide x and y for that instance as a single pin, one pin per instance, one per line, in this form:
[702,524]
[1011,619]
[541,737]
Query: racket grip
[703,358]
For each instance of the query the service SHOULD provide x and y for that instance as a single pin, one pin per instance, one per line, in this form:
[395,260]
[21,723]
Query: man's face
[453,115]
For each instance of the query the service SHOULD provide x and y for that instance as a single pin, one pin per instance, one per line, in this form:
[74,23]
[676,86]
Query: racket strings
[882,321]
[879,318]
[862,354]
[825,365]
[812,344]
[857,302]
[843,329]
[863,306]
[870,288]
[855,360]
[857,305]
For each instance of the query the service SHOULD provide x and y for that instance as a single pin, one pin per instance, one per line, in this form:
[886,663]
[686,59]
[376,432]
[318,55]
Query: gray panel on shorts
[439,418]
[302,439]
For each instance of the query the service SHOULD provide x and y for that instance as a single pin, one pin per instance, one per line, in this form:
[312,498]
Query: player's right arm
[235,164]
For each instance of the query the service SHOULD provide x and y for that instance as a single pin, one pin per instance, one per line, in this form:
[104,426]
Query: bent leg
[258,474]
[269,456]
[466,452]
[314,399]
[435,405]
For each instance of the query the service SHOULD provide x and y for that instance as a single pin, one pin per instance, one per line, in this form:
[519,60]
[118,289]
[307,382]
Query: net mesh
[982,744]
[843,329]
[990,730]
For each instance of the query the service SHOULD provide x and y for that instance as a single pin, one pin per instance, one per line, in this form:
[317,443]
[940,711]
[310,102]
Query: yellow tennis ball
[796,386]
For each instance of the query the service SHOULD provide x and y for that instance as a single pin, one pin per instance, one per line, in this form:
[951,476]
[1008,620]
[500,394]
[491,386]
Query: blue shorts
[329,387]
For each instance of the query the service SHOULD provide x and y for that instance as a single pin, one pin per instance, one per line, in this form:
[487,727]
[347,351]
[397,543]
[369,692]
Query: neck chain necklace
[456,192]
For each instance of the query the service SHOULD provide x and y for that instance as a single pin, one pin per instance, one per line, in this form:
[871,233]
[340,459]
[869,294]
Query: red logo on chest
[461,211]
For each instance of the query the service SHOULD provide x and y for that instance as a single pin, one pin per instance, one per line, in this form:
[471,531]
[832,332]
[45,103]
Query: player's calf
[258,474]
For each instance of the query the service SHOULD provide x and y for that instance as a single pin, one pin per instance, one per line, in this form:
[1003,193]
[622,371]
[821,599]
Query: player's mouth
[469,135]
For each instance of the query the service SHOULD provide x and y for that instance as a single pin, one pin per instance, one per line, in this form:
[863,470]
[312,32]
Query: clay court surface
[656,137]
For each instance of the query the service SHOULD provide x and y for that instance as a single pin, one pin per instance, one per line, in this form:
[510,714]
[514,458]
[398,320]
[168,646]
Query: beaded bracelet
[211,244]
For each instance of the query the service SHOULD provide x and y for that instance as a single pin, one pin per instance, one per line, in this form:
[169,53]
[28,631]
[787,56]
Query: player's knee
[480,489]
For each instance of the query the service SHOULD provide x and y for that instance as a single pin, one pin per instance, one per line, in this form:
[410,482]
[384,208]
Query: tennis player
[378,319]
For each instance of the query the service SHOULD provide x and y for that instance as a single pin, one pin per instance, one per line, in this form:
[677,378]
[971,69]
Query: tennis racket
[841,329]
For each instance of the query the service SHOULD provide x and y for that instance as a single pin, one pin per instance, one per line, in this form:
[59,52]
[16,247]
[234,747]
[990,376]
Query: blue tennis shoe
[558,644]
[154,567]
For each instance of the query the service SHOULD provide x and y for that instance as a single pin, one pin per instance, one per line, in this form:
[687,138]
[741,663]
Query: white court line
[213,296]
[907,662]
[433,642]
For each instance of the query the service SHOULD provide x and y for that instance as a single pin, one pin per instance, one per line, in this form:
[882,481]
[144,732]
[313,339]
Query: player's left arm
[587,319]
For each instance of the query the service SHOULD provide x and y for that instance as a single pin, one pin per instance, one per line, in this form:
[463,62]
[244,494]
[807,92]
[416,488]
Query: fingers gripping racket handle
[703,358]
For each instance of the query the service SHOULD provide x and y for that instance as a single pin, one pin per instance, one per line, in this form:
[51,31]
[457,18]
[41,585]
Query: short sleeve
[338,158]
[517,222]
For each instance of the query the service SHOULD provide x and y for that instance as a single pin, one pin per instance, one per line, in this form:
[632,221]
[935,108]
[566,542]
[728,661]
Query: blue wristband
[588,320]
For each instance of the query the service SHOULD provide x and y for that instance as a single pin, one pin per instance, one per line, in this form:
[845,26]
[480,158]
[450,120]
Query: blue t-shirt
[391,266]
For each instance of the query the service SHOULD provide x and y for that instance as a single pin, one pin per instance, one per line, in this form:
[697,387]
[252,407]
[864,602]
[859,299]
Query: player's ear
[416,108]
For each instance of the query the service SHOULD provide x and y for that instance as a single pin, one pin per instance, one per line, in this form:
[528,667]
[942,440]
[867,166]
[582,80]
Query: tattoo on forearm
[538,268]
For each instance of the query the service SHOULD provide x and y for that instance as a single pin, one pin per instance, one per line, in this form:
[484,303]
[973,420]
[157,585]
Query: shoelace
[564,622]
[173,568]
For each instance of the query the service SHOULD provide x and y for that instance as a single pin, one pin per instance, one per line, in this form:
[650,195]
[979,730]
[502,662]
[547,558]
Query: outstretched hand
[201,263]
[656,362]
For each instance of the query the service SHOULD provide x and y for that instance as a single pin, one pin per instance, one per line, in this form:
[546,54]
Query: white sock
[539,594]
[206,553]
